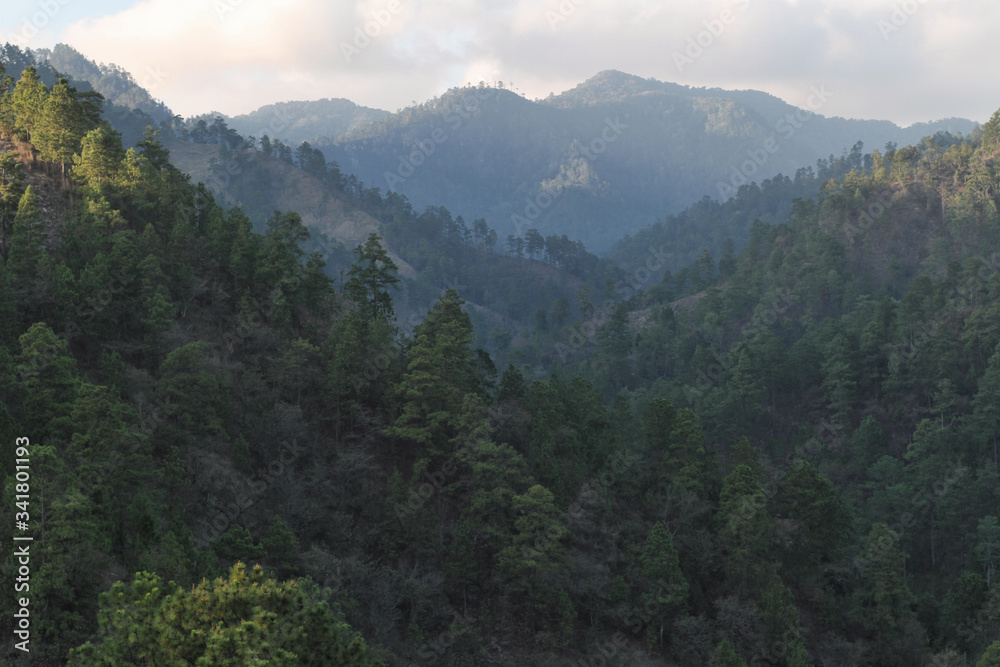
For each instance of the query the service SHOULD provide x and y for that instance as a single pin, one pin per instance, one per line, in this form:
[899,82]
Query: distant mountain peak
[610,86]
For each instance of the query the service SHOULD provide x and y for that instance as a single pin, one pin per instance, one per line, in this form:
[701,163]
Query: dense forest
[782,454]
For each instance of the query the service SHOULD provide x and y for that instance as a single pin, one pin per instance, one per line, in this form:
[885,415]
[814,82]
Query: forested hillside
[604,159]
[295,122]
[784,455]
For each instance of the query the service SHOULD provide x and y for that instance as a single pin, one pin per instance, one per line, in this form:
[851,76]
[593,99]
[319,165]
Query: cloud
[236,55]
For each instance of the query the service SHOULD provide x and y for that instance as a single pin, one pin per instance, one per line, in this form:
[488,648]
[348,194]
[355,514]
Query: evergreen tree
[781,624]
[537,551]
[27,102]
[101,156]
[882,598]
[675,440]
[243,619]
[27,257]
[744,528]
[440,371]
[661,572]
[370,277]
[988,545]
[11,191]
[725,656]
[818,523]
[61,126]
[992,656]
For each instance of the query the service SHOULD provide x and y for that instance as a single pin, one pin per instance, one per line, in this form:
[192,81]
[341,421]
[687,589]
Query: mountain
[216,452]
[127,105]
[118,86]
[602,160]
[295,122]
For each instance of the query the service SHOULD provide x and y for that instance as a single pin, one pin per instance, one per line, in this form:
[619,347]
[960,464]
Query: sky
[901,60]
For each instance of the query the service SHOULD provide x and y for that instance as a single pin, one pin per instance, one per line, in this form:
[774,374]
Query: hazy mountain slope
[127,106]
[118,86]
[295,122]
[603,159]
[284,188]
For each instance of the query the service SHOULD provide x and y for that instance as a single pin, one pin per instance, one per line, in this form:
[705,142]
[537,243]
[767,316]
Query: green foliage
[744,525]
[883,599]
[242,619]
[27,256]
[197,394]
[659,568]
[781,623]
[61,126]
[27,103]
[818,523]
[11,191]
[537,551]
[191,387]
[440,372]
[988,545]
[992,656]
[675,439]
[100,158]
[659,565]
[236,544]
[962,608]
[725,656]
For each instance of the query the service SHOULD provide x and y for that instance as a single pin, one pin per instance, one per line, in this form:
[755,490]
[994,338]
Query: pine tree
[101,156]
[537,550]
[725,656]
[27,102]
[675,440]
[27,258]
[665,587]
[440,371]
[61,126]
[781,623]
[985,419]
[818,522]
[370,277]
[11,191]
[744,528]
[882,598]
[991,658]
[242,619]
[988,545]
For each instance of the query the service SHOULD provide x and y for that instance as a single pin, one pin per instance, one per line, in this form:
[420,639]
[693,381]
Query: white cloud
[236,55]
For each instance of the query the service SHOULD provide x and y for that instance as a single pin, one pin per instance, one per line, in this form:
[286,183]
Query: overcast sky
[903,60]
